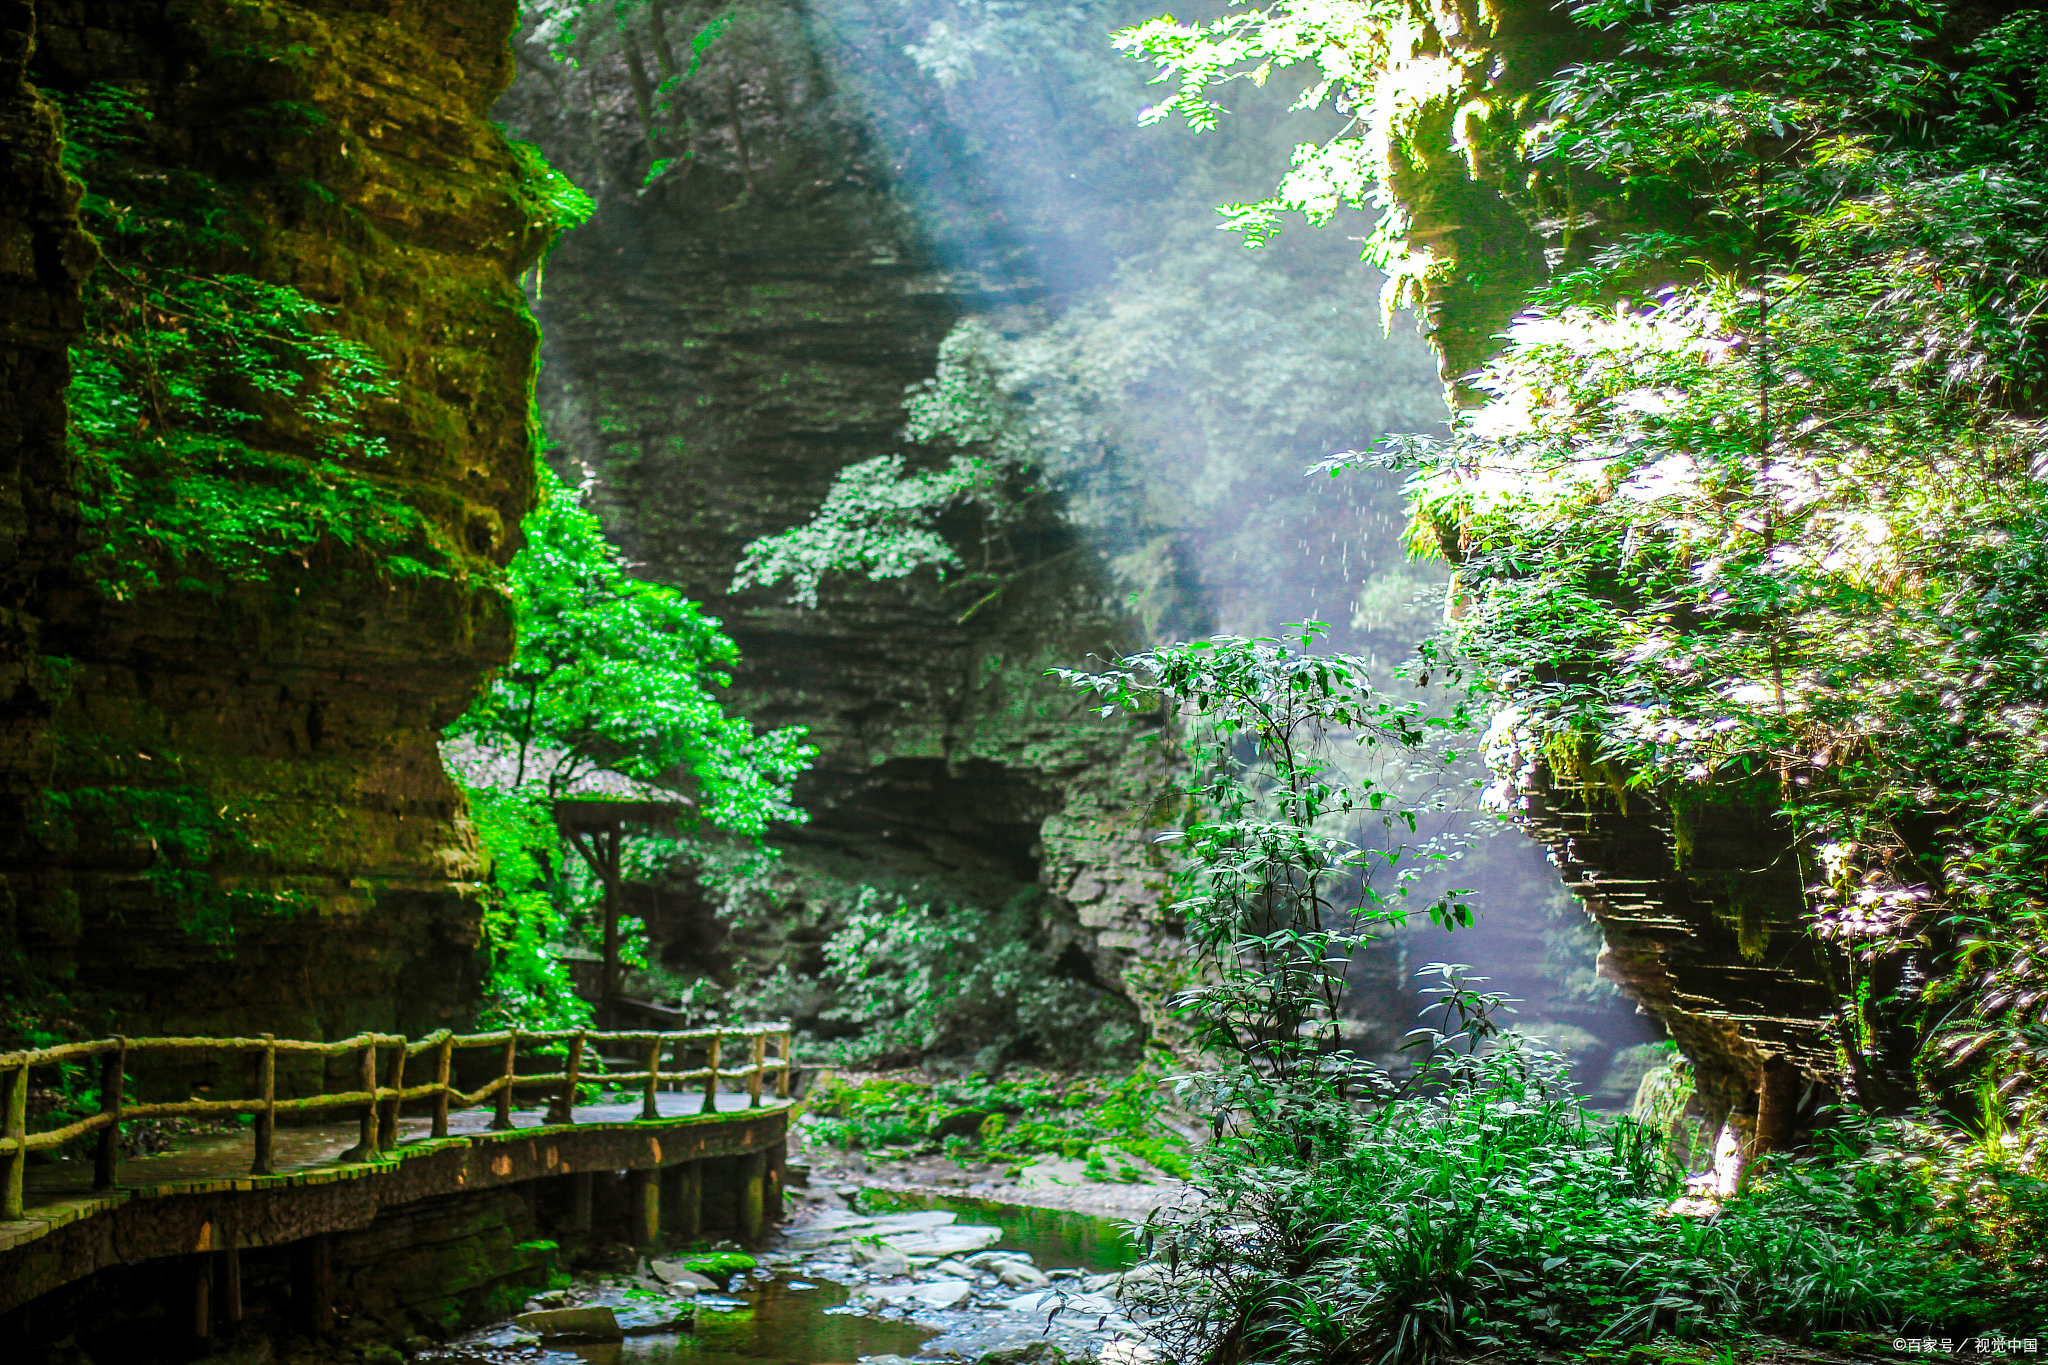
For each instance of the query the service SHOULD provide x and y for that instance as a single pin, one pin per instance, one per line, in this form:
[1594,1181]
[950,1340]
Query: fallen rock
[943,1293]
[580,1324]
[935,1294]
[953,1270]
[846,1225]
[1021,1275]
[946,1241]
[880,1259]
[988,1259]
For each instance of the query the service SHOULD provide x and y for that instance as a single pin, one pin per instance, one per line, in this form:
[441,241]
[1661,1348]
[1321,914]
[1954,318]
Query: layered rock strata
[734,327]
[303,711]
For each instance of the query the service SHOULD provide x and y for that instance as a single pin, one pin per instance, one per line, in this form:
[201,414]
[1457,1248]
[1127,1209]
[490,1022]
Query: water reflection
[779,1324]
[1054,1237]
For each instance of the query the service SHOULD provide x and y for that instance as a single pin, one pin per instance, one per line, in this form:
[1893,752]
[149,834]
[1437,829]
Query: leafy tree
[1282,889]
[610,673]
[919,980]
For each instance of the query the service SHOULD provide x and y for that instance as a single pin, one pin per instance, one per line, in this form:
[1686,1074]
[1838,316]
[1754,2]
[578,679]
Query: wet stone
[596,1323]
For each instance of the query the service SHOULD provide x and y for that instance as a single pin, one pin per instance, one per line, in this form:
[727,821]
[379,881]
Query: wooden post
[562,1109]
[228,1282]
[387,1124]
[113,1079]
[771,1184]
[582,1192]
[685,1199]
[759,1059]
[366,1118]
[444,1064]
[643,1189]
[14,1126]
[650,1107]
[313,1285]
[782,1076]
[266,1122]
[608,846]
[711,1050]
[503,1119]
[202,1295]
[753,1172]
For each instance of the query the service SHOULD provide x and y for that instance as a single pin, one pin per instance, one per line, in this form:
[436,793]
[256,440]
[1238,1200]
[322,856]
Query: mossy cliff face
[722,340]
[1699,899]
[296,719]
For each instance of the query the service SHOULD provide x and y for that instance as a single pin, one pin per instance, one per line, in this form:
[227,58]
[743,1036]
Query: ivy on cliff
[214,415]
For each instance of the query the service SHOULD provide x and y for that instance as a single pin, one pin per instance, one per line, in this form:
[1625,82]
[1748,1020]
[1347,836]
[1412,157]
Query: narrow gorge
[629,618]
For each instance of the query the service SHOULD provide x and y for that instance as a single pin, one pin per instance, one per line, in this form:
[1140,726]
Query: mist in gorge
[931,208]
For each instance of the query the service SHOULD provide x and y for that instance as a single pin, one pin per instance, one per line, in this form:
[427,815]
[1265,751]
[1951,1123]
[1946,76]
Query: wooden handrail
[377,1104]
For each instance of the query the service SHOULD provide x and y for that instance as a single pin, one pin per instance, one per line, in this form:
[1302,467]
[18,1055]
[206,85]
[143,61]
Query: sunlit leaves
[615,672]
[1285,883]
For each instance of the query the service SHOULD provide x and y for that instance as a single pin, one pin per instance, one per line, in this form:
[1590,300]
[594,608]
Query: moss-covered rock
[294,719]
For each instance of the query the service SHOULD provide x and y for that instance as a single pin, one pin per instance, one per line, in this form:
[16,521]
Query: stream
[898,1276]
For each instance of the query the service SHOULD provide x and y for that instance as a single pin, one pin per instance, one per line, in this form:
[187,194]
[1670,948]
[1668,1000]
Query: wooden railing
[377,1102]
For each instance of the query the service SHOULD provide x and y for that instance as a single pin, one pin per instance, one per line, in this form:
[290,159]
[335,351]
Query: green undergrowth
[1499,1214]
[1109,1122]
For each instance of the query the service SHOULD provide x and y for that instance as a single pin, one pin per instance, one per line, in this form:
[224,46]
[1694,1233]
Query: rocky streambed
[847,1284]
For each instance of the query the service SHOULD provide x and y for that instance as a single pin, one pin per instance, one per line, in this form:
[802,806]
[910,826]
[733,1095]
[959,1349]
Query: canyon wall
[738,322]
[1699,894]
[292,722]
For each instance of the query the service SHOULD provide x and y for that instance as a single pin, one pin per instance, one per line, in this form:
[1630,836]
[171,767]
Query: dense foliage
[1482,1207]
[1297,856]
[1771,533]
[612,677]
[213,413]
[1747,510]
[919,980]
[1115,1126]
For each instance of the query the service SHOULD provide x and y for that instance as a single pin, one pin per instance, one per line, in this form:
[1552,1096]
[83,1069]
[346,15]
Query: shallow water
[779,1324]
[1054,1237]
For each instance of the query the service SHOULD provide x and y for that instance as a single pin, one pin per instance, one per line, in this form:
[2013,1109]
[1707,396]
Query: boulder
[942,1293]
[880,1259]
[939,1242]
[935,1294]
[679,1278]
